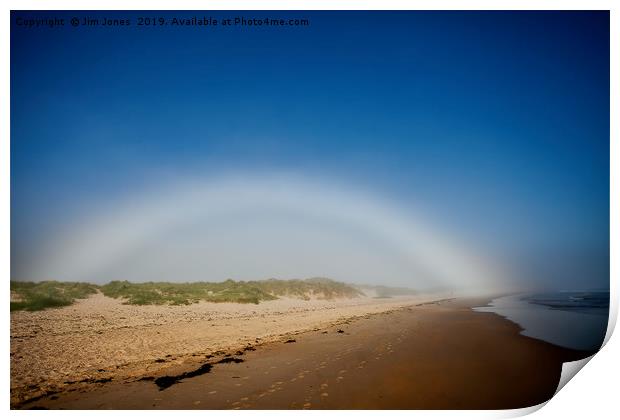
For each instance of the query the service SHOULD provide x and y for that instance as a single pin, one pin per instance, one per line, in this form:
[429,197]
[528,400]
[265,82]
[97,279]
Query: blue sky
[496,124]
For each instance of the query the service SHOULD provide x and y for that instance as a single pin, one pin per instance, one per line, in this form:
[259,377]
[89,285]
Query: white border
[592,395]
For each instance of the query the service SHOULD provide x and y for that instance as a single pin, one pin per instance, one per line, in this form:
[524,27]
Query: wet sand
[425,356]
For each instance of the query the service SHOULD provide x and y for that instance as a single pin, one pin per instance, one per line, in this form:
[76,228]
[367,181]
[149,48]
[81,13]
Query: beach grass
[228,291]
[165,293]
[316,287]
[50,294]
[47,294]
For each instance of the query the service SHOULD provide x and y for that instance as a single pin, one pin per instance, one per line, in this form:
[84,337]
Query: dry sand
[99,338]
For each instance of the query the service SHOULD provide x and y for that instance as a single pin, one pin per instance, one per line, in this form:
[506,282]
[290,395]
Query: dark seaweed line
[53,392]
[167,381]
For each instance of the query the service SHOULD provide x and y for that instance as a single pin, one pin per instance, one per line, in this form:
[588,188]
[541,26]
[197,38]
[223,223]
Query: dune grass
[185,293]
[51,294]
[227,291]
[317,287]
[48,294]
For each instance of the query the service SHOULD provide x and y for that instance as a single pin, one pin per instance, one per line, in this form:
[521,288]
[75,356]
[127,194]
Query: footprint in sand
[307,405]
[212,392]
[342,371]
[323,386]
[325,394]
[196,402]
[244,398]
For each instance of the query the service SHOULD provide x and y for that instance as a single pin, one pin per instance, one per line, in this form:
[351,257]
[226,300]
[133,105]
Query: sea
[574,319]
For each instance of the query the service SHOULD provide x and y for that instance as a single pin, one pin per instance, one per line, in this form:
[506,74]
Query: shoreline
[420,320]
[546,323]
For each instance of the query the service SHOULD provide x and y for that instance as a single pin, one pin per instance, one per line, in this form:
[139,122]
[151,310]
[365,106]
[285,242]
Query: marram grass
[49,294]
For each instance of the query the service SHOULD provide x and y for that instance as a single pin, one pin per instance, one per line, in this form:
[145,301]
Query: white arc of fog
[97,248]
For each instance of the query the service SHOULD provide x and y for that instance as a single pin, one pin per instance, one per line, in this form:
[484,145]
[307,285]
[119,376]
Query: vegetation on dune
[185,293]
[317,287]
[47,294]
[228,291]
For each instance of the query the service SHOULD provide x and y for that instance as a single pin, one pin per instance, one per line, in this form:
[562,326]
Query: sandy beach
[100,338]
[409,352]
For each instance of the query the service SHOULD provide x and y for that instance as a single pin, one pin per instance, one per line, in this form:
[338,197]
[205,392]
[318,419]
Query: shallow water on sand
[575,320]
